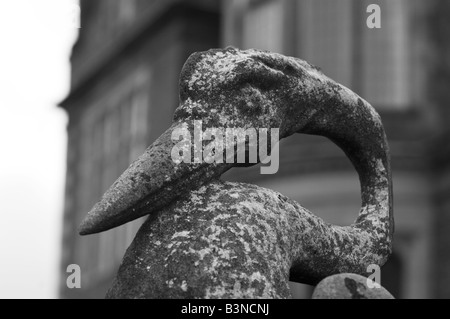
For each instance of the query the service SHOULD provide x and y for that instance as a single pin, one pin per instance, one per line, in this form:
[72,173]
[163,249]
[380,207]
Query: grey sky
[36,39]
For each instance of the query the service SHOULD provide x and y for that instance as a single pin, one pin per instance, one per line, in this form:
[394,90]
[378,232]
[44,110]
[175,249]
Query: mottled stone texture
[348,286]
[206,238]
[232,240]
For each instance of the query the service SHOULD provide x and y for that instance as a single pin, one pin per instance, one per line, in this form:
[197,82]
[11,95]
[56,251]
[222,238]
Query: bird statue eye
[251,100]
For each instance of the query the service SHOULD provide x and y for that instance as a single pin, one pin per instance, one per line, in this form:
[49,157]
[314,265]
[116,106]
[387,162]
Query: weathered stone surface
[149,184]
[205,238]
[348,286]
[233,240]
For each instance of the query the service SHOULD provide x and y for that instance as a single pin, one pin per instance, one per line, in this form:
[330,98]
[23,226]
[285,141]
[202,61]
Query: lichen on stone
[207,238]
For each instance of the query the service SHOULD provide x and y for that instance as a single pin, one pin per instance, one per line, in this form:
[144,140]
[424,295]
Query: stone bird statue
[207,238]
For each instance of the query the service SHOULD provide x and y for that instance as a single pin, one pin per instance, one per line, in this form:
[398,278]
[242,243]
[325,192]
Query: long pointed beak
[153,181]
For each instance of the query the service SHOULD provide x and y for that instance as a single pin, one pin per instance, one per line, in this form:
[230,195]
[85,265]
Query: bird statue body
[206,238]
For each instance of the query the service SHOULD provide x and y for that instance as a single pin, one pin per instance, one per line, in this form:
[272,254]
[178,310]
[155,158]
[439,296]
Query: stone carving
[348,286]
[206,238]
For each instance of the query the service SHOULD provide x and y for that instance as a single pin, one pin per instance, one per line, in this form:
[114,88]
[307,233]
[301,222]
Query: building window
[117,15]
[333,35]
[324,37]
[263,25]
[127,11]
[114,135]
[385,61]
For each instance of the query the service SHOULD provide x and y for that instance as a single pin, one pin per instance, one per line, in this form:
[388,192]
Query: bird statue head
[232,88]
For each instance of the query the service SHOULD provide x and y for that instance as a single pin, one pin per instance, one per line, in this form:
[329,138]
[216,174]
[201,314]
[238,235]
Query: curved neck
[352,124]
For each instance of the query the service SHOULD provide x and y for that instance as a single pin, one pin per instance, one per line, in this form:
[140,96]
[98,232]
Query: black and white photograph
[237,150]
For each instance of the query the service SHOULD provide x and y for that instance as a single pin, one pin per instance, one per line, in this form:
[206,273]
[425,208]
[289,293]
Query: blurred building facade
[125,68]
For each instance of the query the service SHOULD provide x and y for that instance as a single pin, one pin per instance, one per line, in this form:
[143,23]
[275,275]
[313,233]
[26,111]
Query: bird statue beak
[153,181]
[232,88]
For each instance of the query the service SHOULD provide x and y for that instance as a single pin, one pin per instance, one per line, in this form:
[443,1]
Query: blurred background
[36,41]
[123,91]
